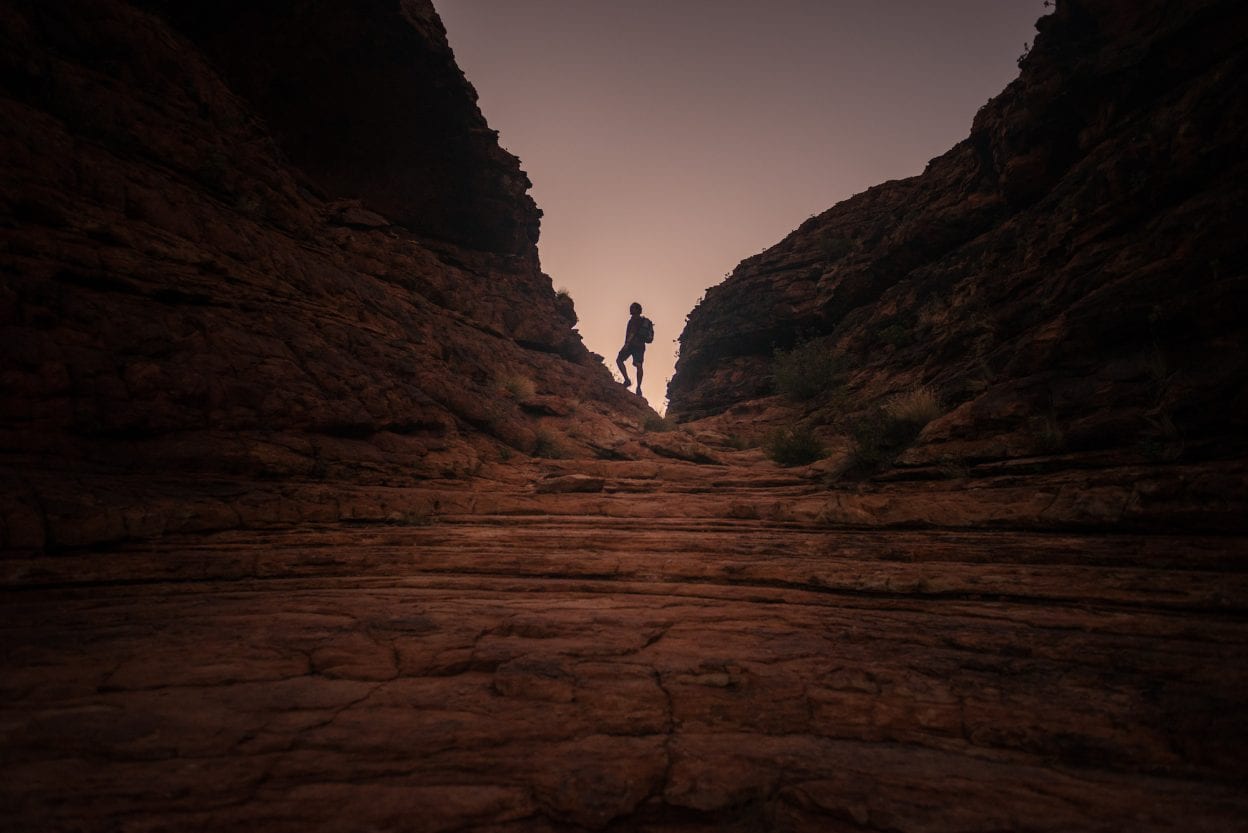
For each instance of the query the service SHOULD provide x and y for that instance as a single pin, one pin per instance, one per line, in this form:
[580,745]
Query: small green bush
[794,446]
[878,438]
[656,424]
[519,388]
[807,371]
[547,446]
[835,248]
[897,335]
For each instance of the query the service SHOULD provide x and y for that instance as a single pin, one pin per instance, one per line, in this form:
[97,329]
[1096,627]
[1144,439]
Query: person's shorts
[637,351]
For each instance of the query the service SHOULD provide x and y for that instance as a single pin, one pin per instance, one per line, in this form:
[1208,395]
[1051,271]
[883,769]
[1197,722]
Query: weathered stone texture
[657,656]
[275,552]
[189,286]
[1072,274]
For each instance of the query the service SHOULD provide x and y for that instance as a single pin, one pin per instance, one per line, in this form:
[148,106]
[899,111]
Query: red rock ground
[662,654]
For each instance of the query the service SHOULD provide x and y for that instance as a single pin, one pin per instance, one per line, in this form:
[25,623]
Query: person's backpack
[647,330]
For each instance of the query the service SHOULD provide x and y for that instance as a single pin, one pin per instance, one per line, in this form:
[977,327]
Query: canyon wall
[247,251]
[1069,280]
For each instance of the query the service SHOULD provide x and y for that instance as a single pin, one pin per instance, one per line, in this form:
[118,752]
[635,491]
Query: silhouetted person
[636,336]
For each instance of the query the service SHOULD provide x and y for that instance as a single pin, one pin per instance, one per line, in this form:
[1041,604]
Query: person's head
[634,308]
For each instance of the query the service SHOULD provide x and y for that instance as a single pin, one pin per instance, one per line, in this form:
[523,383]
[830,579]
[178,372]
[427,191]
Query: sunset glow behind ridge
[667,141]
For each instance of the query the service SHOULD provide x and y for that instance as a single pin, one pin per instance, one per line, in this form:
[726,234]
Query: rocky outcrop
[218,271]
[339,592]
[1068,280]
[365,98]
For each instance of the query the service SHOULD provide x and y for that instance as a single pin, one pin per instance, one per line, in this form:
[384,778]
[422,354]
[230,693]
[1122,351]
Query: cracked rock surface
[621,668]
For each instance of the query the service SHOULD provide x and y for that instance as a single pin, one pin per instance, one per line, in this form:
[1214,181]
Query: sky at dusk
[669,139]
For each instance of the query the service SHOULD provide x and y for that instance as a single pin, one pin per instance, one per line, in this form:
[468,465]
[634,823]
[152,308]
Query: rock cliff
[249,250]
[1068,281]
[296,381]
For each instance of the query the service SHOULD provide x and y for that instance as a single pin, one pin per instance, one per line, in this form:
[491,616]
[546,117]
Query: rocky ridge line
[189,288]
[1066,280]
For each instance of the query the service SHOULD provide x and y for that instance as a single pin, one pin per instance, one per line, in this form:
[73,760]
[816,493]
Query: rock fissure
[659,790]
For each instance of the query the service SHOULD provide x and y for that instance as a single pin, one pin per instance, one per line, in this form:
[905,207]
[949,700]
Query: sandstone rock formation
[273,245]
[1069,280]
[278,550]
[686,648]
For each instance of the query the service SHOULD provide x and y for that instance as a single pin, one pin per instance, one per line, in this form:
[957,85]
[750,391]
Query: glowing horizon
[668,141]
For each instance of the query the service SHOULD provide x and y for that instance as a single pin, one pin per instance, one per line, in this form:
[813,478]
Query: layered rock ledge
[1066,280]
[317,514]
[669,653]
[215,267]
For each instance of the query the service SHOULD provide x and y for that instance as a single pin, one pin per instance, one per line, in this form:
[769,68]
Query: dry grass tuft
[794,446]
[807,371]
[917,406]
[519,388]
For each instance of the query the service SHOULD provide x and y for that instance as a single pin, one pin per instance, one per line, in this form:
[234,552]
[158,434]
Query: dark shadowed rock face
[1071,274]
[216,263]
[337,593]
[366,99]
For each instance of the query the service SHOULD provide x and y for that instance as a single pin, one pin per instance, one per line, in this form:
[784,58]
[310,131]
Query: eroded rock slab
[619,667]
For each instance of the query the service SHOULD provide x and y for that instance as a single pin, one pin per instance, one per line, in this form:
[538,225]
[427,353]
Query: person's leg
[619,362]
[637,367]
